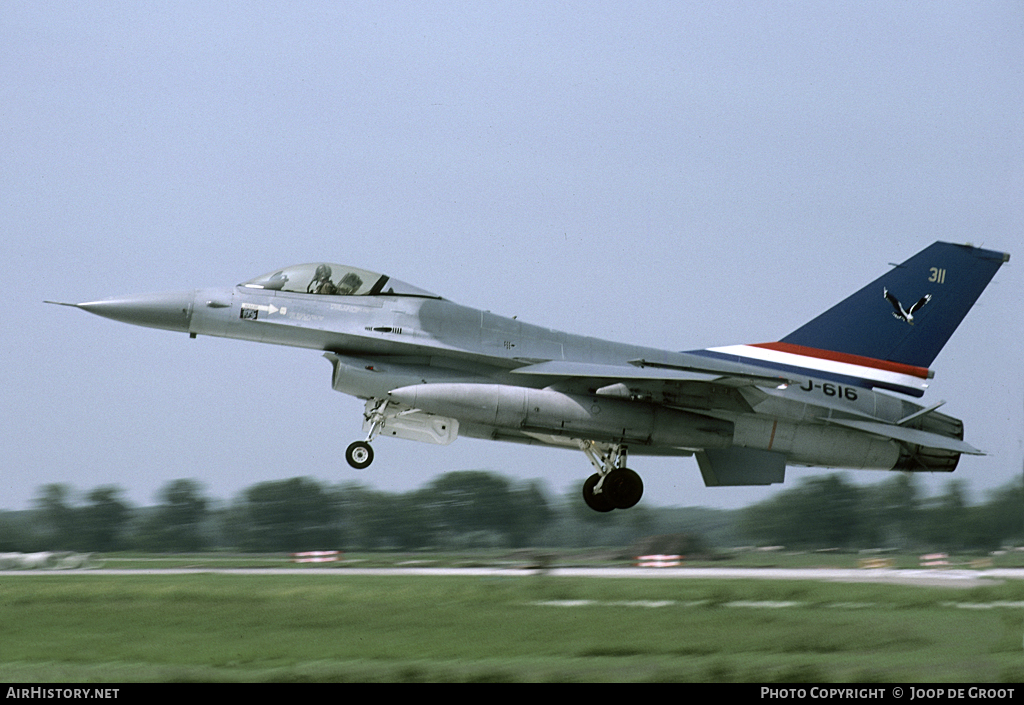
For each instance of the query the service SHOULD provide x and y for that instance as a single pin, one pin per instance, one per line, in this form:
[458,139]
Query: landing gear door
[416,425]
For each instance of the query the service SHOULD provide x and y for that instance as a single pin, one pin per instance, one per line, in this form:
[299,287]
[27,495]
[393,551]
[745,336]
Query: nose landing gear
[360,453]
[613,486]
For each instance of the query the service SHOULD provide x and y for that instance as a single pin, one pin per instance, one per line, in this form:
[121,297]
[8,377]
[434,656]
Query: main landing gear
[613,486]
[360,453]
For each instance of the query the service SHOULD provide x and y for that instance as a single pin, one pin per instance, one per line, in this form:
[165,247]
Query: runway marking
[618,603]
[761,604]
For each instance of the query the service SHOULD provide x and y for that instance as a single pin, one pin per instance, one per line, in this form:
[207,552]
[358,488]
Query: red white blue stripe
[842,367]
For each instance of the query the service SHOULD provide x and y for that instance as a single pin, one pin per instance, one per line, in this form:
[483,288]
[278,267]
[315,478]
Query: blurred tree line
[473,509]
[830,512]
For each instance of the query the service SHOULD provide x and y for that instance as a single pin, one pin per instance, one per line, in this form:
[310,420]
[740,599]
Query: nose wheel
[359,455]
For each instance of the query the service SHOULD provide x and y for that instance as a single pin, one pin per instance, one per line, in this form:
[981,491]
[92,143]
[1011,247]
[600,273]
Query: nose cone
[169,311]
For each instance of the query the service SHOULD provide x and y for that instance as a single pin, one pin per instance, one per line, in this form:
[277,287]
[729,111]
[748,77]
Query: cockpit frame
[327,279]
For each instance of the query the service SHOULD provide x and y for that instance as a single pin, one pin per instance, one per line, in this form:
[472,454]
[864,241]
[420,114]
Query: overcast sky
[675,174]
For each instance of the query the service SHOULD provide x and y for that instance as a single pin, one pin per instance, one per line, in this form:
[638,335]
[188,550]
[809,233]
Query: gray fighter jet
[432,370]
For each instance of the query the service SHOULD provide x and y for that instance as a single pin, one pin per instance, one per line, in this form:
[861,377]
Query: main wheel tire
[359,455]
[623,487]
[597,502]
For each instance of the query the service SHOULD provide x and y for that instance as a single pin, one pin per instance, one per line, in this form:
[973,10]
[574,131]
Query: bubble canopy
[334,280]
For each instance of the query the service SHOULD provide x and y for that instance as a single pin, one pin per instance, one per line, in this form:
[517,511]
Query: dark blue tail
[908,314]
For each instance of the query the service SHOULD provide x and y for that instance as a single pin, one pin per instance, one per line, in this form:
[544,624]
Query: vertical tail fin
[907,315]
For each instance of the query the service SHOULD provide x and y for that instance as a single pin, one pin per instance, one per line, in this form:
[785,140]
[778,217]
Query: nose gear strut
[360,453]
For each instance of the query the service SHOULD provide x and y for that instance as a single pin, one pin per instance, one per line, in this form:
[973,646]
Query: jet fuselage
[432,370]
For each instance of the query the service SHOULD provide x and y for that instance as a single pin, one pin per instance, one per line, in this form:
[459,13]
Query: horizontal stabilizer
[910,435]
[736,465]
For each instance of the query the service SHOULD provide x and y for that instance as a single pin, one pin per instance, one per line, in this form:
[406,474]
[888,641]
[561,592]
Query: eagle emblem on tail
[902,313]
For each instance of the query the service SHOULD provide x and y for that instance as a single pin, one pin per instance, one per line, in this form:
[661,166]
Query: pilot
[321,283]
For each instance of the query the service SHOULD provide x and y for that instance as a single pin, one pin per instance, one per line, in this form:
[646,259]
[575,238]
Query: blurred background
[678,175]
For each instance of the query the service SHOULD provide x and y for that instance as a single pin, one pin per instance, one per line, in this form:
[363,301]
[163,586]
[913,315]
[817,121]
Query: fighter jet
[830,394]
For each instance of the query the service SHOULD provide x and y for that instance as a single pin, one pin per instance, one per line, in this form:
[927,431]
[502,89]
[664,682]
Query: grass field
[213,627]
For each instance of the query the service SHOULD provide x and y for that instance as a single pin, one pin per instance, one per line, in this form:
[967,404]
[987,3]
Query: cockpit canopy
[334,280]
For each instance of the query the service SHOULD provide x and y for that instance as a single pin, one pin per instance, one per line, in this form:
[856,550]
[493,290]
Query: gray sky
[674,174]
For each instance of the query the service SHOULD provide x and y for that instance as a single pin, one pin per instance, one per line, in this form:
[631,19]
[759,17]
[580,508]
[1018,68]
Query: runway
[946,578]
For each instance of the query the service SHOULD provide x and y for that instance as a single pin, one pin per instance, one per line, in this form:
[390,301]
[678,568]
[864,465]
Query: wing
[898,312]
[707,384]
[768,365]
[920,302]
[646,371]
